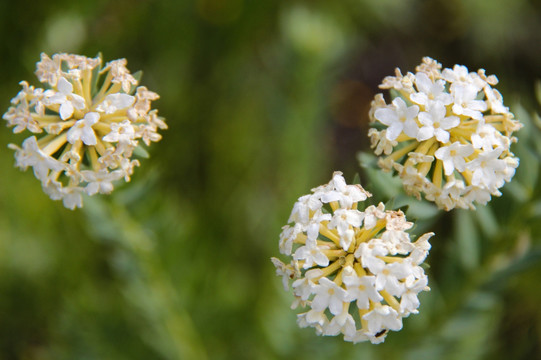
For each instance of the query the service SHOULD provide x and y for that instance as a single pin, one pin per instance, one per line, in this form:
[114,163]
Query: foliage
[263,101]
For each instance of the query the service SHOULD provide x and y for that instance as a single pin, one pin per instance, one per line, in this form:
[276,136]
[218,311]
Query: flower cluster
[357,271]
[446,133]
[89,121]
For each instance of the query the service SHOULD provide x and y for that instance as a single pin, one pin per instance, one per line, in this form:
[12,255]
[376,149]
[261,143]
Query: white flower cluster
[447,134]
[89,118]
[356,271]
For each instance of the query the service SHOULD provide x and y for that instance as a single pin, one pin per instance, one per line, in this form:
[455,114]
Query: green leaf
[96,77]
[417,209]
[382,184]
[467,239]
[141,152]
[538,91]
[137,75]
[487,221]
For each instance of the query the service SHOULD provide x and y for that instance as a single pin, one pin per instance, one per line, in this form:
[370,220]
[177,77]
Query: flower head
[356,271]
[447,134]
[89,118]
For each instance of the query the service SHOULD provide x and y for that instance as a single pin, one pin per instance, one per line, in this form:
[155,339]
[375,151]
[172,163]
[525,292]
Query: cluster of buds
[89,120]
[358,272]
[446,133]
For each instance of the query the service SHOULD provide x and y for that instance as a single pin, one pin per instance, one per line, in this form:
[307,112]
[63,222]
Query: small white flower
[399,118]
[287,272]
[409,302]
[343,221]
[100,181]
[368,253]
[453,156]
[89,132]
[312,254]
[430,91]
[343,268]
[122,133]
[288,236]
[72,197]
[342,323]
[345,194]
[303,206]
[114,102]
[485,168]
[383,317]
[436,123]
[389,277]
[372,214]
[465,102]
[304,287]
[460,76]
[445,155]
[67,99]
[363,290]
[31,155]
[329,295]
[82,130]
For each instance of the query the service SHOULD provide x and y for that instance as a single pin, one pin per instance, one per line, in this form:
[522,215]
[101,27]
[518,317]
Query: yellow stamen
[391,259]
[87,77]
[359,269]
[332,268]
[101,94]
[103,128]
[93,158]
[323,230]
[425,146]
[55,144]
[391,300]
[437,177]
[334,253]
[425,167]
[401,152]
[467,176]
[365,235]
[45,118]
[338,278]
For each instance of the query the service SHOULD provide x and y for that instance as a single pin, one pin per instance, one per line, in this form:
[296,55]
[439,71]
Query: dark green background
[264,99]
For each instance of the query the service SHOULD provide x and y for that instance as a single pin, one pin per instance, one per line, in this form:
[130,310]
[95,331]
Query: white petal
[91,118]
[64,86]
[74,134]
[386,116]
[442,135]
[78,101]
[66,110]
[88,136]
[120,101]
[425,133]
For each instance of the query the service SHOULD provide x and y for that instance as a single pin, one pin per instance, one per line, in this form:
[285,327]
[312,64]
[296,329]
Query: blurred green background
[264,99]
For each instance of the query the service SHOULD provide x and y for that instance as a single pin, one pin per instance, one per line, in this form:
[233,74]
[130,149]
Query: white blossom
[382,317]
[453,156]
[67,99]
[430,91]
[82,130]
[363,290]
[114,102]
[448,154]
[436,123]
[345,262]
[399,118]
[89,133]
[311,254]
[329,295]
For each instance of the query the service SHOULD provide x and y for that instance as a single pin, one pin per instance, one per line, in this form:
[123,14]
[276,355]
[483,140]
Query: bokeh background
[264,99]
